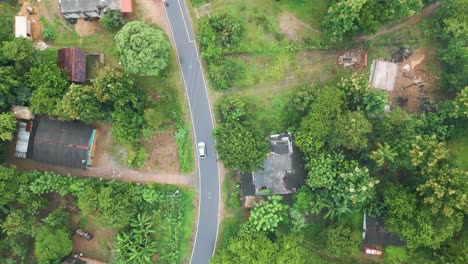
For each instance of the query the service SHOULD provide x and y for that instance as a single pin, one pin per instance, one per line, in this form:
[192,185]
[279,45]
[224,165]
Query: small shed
[126,6]
[67,144]
[383,75]
[22,27]
[74,59]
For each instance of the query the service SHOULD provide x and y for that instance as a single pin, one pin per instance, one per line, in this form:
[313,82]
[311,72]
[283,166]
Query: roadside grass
[188,224]
[234,213]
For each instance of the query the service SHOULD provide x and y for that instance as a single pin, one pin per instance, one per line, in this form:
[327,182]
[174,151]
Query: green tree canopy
[112,20]
[20,51]
[351,132]
[446,191]
[317,125]
[416,223]
[143,49]
[257,248]
[338,185]
[241,146]
[52,245]
[80,103]
[266,215]
[342,241]
[341,18]
[49,84]
[7,126]
[111,207]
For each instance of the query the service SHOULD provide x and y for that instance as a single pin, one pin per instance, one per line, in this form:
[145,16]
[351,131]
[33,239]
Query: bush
[225,73]
[49,34]
[342,241]
[112,20]
[52,245]
[137,157]
[396,254]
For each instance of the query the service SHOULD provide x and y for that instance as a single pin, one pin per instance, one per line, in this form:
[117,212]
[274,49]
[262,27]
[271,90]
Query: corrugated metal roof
[62,143]
[74,59]
[126,6]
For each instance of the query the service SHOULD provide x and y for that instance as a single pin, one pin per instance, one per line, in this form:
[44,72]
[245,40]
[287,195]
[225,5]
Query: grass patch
[311,12]
[229,228]
[184,148]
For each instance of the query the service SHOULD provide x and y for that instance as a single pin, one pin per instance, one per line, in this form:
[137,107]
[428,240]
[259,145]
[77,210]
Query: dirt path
[427,12]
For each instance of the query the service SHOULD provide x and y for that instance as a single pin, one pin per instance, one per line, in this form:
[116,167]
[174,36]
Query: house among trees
[74,59]
[281,173]
[63,143]
[375,236]
[383,75]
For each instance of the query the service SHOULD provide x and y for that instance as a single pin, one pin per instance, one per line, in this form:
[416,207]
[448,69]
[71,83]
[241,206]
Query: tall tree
[338,185]
[143,49]
[341,18]
[241,146]
[317,125]
[351,131]
[80,103]
[416,223]
[20,51]
[52,245]
[49,85]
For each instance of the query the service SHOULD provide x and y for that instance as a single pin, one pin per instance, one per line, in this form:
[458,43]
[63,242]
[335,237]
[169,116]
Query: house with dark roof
[73,59]
[281,173]
[73,9]
[63,143]
[375,235]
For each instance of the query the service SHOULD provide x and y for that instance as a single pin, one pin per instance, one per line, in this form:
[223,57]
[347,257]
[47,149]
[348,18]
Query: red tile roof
[74,59]
[126,6]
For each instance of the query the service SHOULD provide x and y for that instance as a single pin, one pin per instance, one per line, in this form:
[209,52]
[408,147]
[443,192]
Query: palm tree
[384,154]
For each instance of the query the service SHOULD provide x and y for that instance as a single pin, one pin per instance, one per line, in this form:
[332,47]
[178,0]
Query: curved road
[202,122]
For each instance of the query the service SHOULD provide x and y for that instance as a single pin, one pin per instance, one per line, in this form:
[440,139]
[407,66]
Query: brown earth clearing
[415,82]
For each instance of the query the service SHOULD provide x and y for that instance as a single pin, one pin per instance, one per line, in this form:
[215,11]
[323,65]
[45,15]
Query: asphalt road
[196,90]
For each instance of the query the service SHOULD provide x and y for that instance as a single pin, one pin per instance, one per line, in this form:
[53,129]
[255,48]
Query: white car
[201,150]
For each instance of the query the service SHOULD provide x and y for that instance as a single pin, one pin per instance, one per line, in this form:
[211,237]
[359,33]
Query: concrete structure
[383,75]
[22,27]
[73,9]
[23,112]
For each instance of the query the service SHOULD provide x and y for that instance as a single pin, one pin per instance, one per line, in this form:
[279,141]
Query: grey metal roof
[61,143]
[375,233]
[72,6]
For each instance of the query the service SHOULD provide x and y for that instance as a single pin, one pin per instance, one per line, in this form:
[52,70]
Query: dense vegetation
[33,208]
[359,157]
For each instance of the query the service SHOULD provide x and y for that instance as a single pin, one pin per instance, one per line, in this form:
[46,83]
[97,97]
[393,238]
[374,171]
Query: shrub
[52,245]
[137,157]
[225,73]
[112,20]
[49,34]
